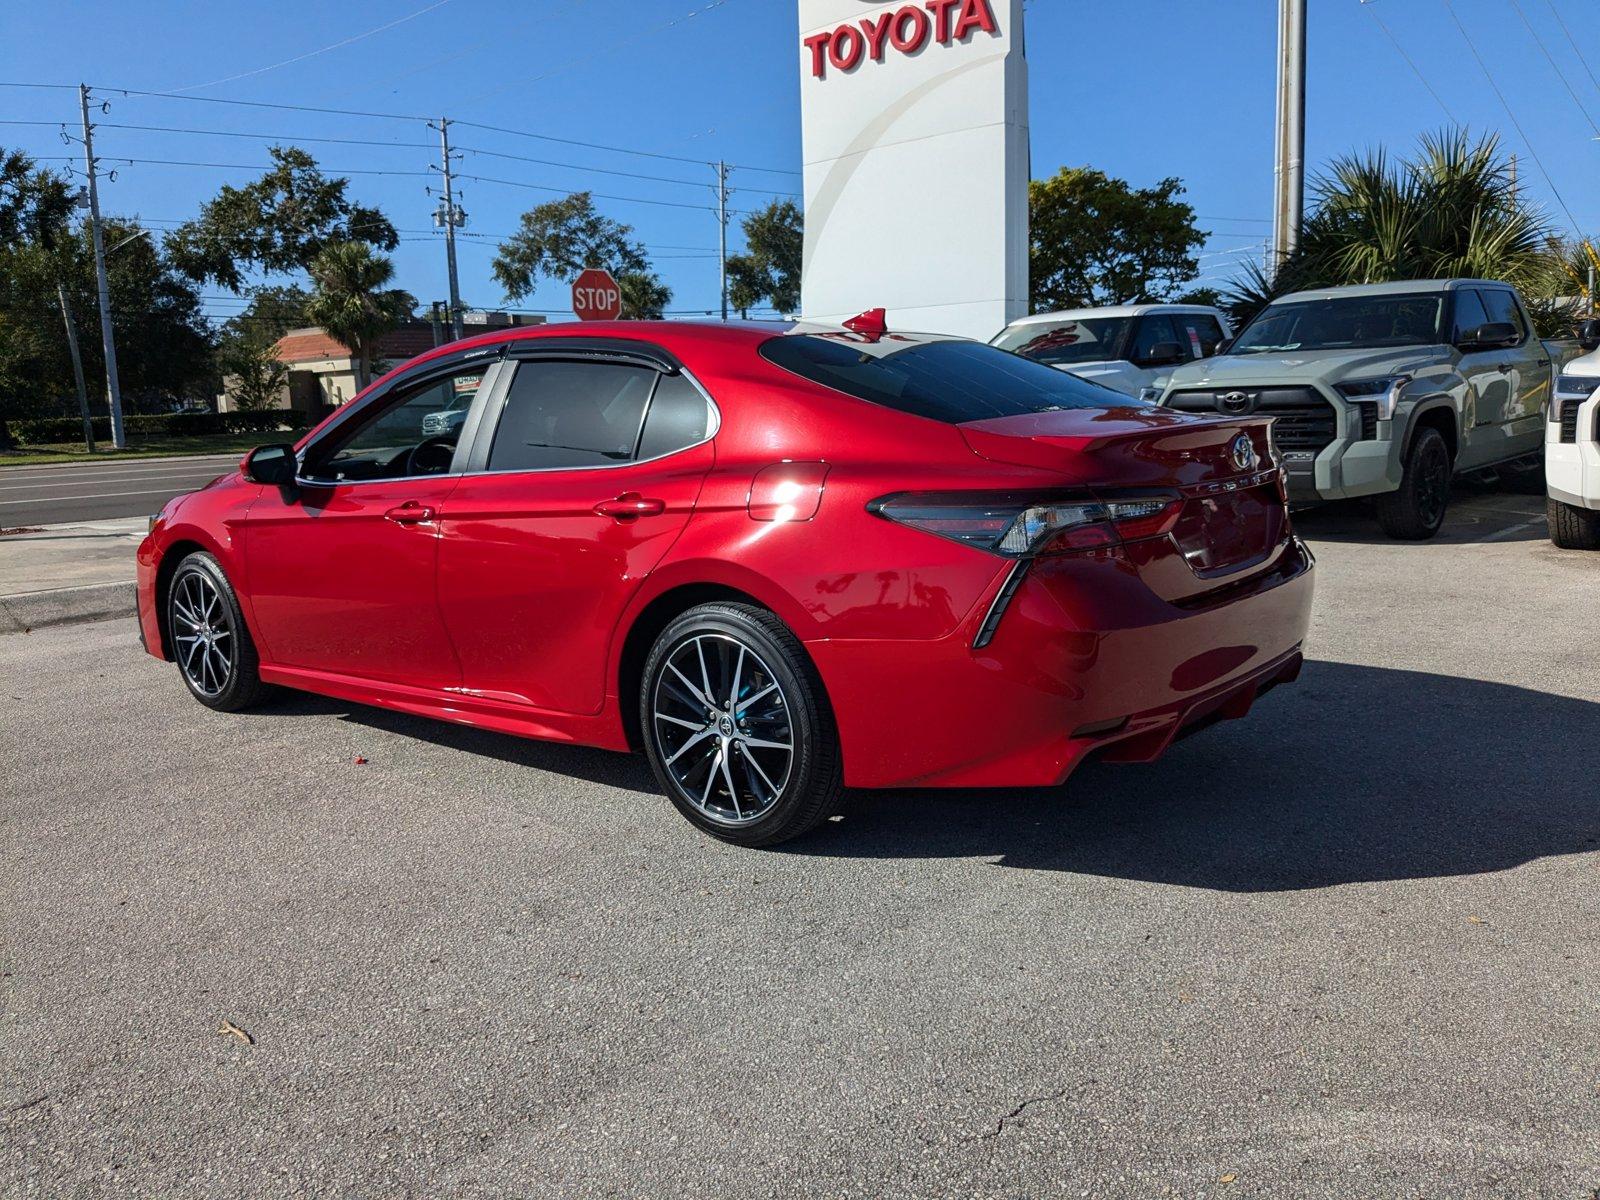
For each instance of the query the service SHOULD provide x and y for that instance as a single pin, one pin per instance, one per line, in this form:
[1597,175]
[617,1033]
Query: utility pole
[77,366]
[722,232]
[1289,205]
[107,339]
[450,216]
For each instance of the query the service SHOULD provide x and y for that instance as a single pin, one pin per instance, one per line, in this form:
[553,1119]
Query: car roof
[1112,310]
[1397,287]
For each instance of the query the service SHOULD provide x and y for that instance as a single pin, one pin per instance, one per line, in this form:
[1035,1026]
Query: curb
[67,606]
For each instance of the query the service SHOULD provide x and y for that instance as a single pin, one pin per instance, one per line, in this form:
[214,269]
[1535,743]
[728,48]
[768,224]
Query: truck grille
[1569,419]
[1303,420]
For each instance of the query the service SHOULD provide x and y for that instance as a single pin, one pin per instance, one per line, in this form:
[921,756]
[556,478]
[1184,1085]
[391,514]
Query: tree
[768,272]
[644,296]
[254,375]
[352,302]
[1094,240]
[278,224]
[559,239]
[35,204]
[1450,210]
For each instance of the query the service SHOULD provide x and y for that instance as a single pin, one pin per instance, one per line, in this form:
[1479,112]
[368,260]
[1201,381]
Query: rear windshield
[947,380]
[1094,340]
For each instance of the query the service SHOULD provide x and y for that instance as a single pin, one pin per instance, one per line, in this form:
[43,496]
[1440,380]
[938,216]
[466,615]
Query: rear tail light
[1020,527]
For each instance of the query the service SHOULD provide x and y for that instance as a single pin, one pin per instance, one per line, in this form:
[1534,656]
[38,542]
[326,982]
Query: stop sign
[596,296]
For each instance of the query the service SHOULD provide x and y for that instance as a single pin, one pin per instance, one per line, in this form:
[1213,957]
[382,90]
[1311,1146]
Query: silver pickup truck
[1386,390]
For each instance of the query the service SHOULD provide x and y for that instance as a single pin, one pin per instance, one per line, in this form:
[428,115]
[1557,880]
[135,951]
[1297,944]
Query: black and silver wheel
[1415,511]
[209,639]
[736,726]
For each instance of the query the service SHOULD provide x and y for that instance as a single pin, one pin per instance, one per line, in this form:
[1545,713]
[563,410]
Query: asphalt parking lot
[1347,947]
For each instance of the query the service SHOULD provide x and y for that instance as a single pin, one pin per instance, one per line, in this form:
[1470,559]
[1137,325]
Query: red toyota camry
[778,560]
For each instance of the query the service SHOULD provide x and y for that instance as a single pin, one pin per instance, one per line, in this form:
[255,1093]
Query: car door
[1528,368]
[1488,382]
[341,568]
[580,482]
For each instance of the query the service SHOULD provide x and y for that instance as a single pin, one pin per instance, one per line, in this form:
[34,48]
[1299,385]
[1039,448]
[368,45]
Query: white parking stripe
[1509,530]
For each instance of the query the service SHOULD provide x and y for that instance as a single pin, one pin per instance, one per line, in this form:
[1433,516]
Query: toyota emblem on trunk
[1244,453]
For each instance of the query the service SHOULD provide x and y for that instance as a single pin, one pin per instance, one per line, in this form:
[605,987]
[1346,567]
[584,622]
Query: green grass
[153,446]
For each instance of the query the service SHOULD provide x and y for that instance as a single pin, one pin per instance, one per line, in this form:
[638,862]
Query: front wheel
[1415,511]
[737,728]
[1571,527]
[209,639]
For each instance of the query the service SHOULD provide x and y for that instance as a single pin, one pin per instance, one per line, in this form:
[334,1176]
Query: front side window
[1503,309]
[1202,334]
[1470,314]
[412,431]
[1343,323]
[946,379]
[1097,339]
[1154,330]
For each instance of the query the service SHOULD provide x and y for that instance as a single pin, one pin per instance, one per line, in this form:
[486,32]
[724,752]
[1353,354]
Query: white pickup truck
[1129,348]
[1572,449]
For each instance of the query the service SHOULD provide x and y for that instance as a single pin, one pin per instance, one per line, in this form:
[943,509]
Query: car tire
[1571,527]
[724,687]
[1415,510]
[210,641]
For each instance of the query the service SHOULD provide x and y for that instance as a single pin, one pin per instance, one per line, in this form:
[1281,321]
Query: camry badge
[1244,453]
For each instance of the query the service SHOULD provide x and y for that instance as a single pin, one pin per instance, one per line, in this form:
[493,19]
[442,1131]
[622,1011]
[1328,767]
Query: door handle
[630,506]
[1504,368]
[412,512]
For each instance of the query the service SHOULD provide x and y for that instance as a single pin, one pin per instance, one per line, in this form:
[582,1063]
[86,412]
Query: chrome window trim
[479,458]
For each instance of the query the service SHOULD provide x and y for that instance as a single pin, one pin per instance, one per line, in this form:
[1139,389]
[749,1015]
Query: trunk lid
[1233,521]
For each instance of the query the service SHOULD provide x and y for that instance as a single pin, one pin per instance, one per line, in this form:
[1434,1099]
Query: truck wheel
[1415,511]
[1571,527]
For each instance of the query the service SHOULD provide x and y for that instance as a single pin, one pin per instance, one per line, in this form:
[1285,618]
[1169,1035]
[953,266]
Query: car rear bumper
[1085,659]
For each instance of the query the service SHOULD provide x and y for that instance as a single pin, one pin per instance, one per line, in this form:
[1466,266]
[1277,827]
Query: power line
[1560,74]
[545,137]
[313,53]
[606,170]
[541,187]
[1573,42]
[1495,87]
[1415,70]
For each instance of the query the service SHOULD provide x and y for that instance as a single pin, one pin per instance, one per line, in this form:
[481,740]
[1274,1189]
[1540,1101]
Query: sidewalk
[64,573]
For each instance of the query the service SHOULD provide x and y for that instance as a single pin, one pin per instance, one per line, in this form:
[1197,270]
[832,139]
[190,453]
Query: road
[55,494]
[1346,947]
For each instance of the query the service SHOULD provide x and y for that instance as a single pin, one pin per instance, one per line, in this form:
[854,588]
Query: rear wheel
[1415,511]
[209,639]
[737,728]
[1571,527]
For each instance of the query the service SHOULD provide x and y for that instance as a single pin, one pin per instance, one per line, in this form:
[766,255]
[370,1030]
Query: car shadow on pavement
[629,772]
[1477,513]
[1354,774]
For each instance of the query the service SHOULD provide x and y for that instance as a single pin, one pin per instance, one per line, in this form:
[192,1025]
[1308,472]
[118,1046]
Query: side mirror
[1589,334]
[273,465]
[1223,346]
[1163,354]
[1496,335]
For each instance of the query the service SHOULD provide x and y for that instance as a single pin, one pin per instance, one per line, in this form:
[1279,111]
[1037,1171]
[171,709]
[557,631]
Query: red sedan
[778,560]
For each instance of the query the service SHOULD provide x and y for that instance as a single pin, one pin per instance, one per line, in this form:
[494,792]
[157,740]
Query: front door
[586,480]
[1489,384]
[1531,379]
[342,569]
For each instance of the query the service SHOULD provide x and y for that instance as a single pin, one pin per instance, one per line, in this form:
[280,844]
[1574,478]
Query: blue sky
[1139,88]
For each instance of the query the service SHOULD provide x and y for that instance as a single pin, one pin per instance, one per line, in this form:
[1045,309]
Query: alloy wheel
[724,728]
[203,633]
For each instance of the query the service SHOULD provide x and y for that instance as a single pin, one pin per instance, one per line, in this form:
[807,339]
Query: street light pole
[107,338]
[1289,174]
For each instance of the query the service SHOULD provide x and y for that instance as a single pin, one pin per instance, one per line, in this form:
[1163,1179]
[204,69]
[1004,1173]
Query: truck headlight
[1385,390]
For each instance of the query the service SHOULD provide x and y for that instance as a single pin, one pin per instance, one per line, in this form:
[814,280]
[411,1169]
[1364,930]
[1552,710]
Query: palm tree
[1451,210]
[351,302]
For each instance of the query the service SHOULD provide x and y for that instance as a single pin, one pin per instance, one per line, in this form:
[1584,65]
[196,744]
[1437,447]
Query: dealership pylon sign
[915,128]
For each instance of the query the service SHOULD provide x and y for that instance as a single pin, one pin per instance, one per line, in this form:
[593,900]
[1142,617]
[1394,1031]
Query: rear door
[1528,366]
[1488,377]
[578,486]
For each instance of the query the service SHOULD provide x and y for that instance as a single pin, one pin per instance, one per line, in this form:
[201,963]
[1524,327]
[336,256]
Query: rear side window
[945,380]
[678,417]
[571,414]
